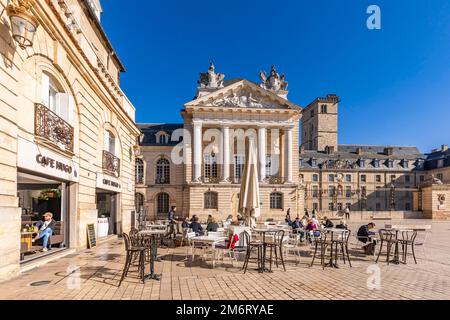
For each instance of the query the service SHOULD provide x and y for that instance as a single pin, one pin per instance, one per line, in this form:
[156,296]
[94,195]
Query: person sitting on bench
[45,228]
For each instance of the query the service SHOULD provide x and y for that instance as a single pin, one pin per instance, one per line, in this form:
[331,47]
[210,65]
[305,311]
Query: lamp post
[23,23]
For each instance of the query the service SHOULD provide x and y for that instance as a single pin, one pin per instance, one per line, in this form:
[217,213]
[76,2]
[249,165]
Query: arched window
[162,171]
[162,203]
[139,202]
[55,99]
[276,200]
[210,200]
[139,168]
[162,137]
[110,141]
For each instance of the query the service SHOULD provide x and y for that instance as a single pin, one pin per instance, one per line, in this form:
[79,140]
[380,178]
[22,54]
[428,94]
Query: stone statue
[274,81]
[211,79]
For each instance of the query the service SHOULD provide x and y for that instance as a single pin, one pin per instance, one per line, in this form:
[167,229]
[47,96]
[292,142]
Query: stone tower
[319,124]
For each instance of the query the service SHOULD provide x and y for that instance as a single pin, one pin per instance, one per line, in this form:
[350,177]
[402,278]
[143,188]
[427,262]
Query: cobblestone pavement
[100,269]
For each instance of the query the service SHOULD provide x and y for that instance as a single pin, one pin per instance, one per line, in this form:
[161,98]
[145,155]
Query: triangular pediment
[243,94]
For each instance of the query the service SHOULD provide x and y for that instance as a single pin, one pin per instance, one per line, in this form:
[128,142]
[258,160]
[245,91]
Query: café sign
[39,159]
[109,183]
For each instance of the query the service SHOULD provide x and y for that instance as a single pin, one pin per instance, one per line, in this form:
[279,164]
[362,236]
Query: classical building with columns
[201,172]
[299,170]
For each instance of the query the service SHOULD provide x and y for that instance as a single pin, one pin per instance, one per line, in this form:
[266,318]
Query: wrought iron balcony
[111,163]
[162,180]
[212,179]
[52,128]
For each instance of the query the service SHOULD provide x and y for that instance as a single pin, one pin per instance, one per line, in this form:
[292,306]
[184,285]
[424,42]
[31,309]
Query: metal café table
[153,235]
[263,231]
[334,242]
[209,240]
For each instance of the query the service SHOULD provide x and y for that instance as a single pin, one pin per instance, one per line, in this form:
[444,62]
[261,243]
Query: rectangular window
[238,166]
[348,205]
[313,163]
[210,200]
[331,206]
[312,113]
[422,178]
[348,191]
[331,191]
[315,178]
[363,178]
[390,164]
[323,108]
[378,206]
[315,191]
[362,163]
[407,179]
[339,206]
[440,176]
[376,163]
[331,177]
[210,166]
[276,200]
[268,165]
[440,163]
[348,178]
[378,178]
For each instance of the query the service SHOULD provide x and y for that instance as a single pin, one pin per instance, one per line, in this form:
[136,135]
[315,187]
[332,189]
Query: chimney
[359,150]
[388,151]
[444,147]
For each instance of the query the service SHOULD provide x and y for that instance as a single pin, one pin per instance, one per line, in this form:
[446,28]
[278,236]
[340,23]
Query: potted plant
[49,193]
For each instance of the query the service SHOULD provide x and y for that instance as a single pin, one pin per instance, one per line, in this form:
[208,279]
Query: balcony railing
[50,126]
[162,180]
[111,163]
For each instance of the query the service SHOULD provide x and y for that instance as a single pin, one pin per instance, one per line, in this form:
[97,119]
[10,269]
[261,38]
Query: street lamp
[23,23]
[392,187]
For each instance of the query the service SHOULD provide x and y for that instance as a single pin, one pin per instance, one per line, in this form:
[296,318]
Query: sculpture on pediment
[211,79]
[274,81]
[246,100]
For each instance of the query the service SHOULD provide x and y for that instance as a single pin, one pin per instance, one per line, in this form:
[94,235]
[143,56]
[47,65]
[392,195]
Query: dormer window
[301,163]
[419,163]
[405,163]
[162,137]
[376,163]
[313,162]
[362,163]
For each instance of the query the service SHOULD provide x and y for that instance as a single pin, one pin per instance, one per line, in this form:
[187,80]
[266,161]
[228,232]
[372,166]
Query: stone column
[262,145]
[288,154]
[197,154]
[226,153]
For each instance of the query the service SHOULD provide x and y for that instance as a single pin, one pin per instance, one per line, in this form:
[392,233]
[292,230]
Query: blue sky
[394,83]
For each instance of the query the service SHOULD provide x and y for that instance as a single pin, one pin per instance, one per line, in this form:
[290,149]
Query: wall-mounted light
[23,23]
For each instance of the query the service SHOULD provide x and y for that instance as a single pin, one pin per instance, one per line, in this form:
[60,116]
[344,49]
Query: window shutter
[62,106]
[45,88]
[71,107]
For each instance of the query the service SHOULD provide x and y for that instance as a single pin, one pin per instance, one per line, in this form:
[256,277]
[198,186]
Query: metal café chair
[275,243]
[408,239]
[132,251]
[386,237]
[251,246]
[323,241]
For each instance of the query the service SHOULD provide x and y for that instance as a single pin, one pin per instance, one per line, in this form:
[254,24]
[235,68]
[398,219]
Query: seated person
[241,219]
[193,218]
[311,228]
[297,227]
[342,225]
[228,221]
[288,219]
[364,235]
[185,223]
[45,229]
[212,225]
[209,218]
[328,223]
[196,227]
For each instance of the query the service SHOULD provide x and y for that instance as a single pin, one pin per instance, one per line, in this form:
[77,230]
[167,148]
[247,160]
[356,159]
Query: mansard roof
[150,130]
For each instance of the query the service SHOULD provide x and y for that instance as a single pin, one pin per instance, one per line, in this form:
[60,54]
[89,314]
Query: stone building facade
[67,131]
[372,181]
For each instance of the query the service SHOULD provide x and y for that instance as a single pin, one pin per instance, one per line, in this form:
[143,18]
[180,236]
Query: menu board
[92,242]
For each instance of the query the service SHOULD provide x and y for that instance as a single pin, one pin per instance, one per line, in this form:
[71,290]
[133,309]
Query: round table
[153,234]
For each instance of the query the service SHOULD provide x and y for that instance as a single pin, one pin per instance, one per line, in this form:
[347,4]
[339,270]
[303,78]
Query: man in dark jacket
[196,227]
[45,228]
[297,227]
[365,235]
[328,223]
